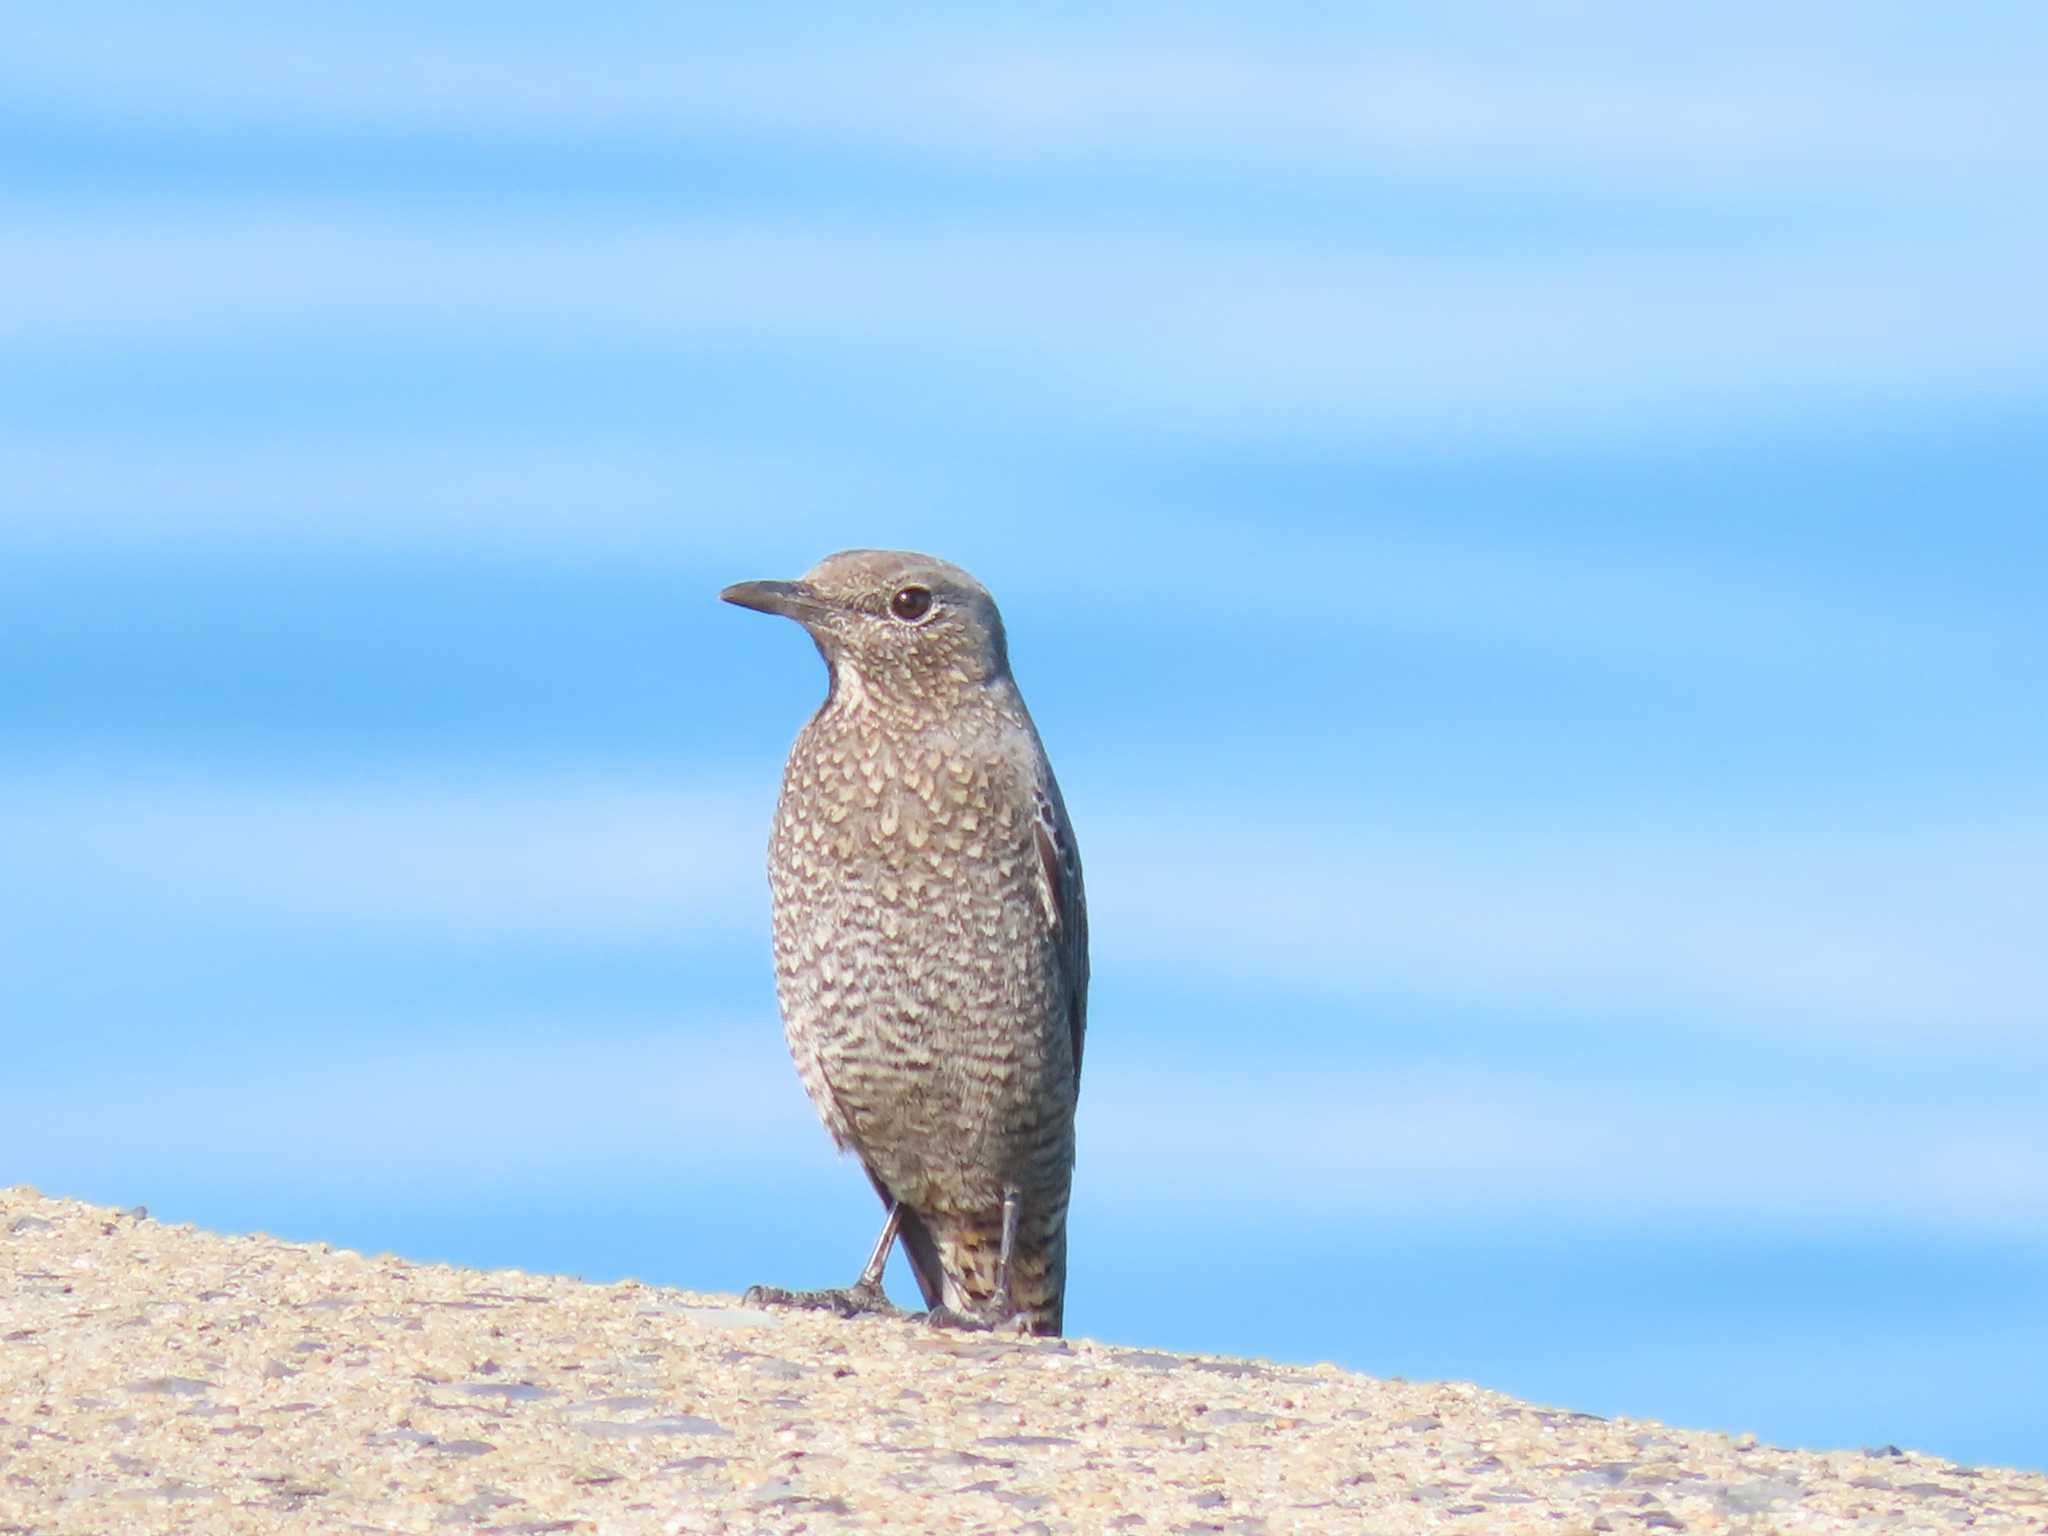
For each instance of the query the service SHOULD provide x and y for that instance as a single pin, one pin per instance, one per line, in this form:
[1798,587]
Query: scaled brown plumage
[930,934]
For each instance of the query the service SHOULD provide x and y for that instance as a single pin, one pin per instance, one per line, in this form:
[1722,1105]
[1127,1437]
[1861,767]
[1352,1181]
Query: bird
[930,937]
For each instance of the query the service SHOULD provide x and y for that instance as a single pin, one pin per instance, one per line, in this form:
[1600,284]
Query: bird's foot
[857,1300]
[994,1318]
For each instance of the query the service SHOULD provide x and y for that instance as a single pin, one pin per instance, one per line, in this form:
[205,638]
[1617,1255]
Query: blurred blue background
[1524,530]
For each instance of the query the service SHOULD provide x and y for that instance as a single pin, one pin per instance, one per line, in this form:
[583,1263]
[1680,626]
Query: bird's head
[892,623]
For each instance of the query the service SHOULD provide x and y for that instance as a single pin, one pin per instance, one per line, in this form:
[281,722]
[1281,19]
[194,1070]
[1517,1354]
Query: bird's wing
[1066,907]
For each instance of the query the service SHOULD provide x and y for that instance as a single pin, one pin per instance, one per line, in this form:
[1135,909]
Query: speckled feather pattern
[930,951]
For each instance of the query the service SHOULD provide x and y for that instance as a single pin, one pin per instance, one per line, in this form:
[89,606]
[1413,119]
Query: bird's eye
[911,604]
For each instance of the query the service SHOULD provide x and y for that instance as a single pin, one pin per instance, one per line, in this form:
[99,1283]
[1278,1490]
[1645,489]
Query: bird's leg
[869,1285]
[996,1314]
[864,1296]
[1000,1302]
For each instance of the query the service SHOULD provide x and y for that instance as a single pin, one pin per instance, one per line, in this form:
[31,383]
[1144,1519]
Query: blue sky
[1523,532]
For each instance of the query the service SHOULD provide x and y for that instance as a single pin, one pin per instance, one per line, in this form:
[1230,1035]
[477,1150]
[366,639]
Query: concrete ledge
[158,1378]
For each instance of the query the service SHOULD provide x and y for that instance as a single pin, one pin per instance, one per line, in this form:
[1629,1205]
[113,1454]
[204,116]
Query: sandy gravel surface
[157,1378]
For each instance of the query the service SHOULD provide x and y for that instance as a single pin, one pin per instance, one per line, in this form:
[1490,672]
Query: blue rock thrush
[931,937]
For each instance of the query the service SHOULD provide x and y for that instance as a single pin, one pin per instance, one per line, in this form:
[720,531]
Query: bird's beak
[792,599]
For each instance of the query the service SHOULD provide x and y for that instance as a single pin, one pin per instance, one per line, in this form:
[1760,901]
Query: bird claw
[992,1319]
[857,1300]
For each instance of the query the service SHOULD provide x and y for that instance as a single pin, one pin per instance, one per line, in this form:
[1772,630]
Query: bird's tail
[966,1250]
[923,1252]
[954,1256]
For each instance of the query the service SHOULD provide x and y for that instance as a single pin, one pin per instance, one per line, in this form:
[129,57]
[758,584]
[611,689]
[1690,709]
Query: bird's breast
[909,816]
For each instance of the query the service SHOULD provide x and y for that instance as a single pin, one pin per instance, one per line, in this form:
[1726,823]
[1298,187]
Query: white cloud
[1086,322]
[568,857]
[1059,549]
[1883,951]
[1897,938]
[480,1107]
[1769,96]
[547,495]
[1900,267]
[1531,591]
[1607,1144]
[454,1106]
[1892,938]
